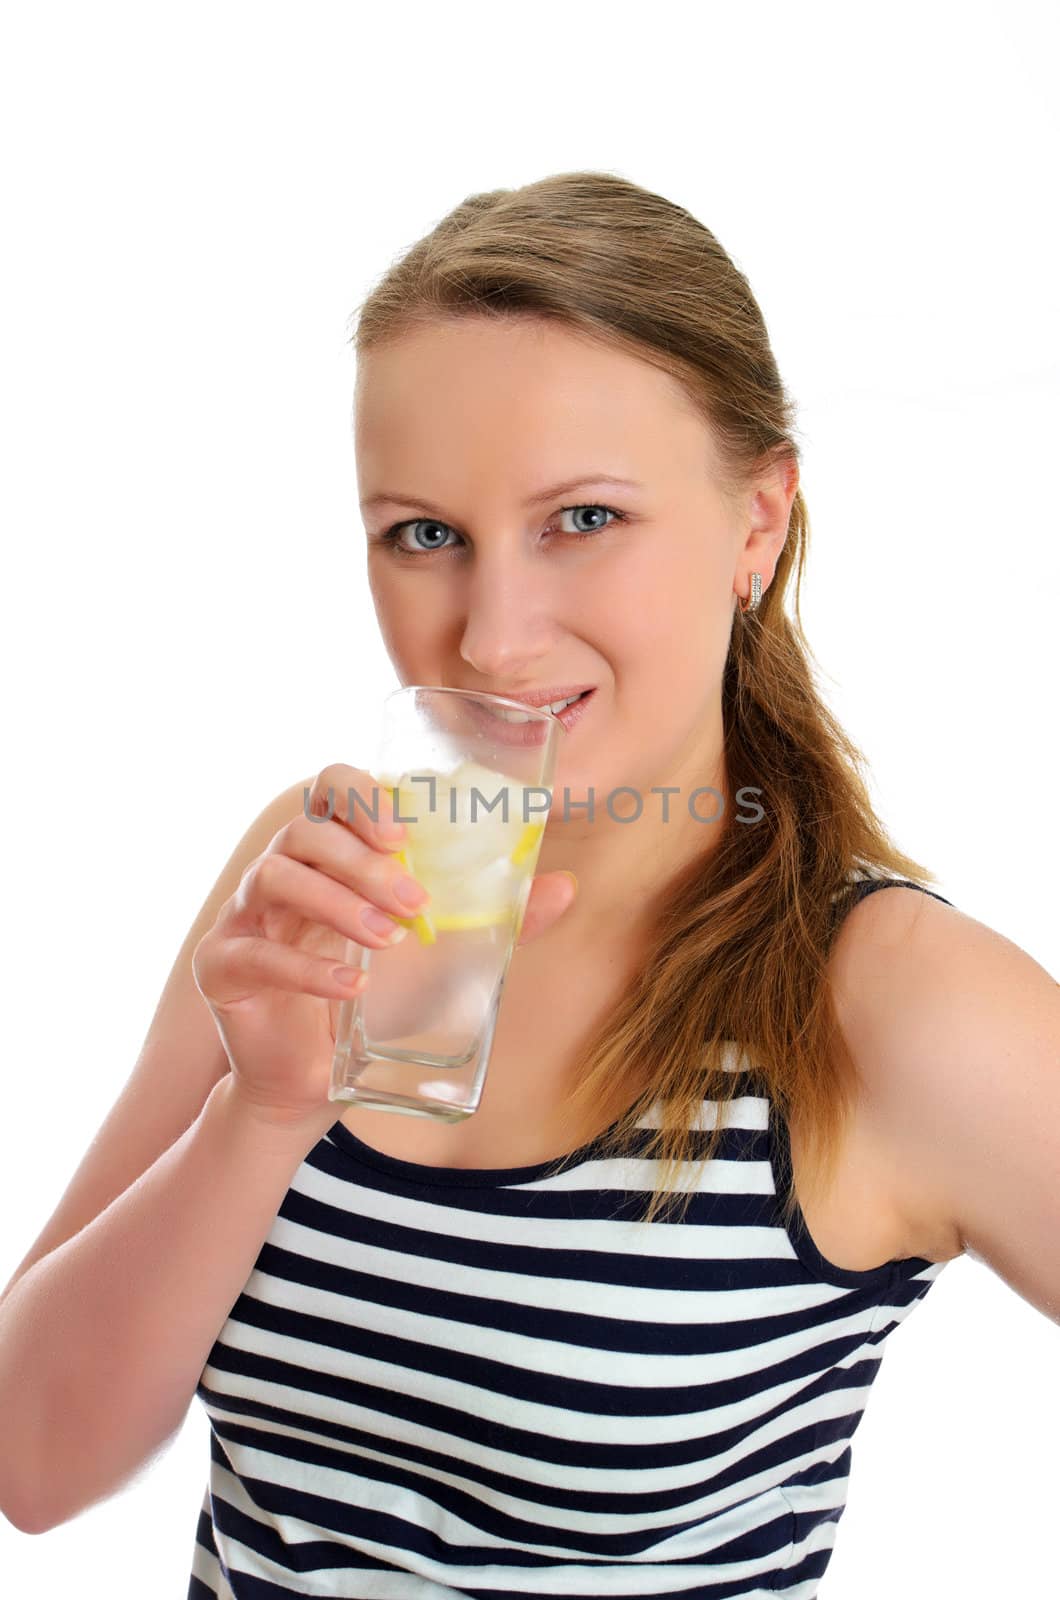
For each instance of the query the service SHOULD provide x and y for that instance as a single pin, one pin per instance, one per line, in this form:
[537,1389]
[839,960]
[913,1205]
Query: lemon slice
[472,870]
[460,921]
[529,837]
[427,927]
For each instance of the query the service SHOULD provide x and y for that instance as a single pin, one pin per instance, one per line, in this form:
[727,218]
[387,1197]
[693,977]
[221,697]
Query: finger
[275,879]
[356,799]
[551,895]
[229,972]
[336,851]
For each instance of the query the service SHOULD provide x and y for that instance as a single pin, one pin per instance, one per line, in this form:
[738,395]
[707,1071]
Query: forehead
[520,392]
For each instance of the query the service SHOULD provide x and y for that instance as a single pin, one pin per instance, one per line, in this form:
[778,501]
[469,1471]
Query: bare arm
[103,1342]
[957,1035]
[107,1324]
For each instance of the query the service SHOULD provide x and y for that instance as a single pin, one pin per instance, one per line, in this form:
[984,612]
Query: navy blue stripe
[478,1514]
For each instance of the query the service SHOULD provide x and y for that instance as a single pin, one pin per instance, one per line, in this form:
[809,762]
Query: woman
[612,1334]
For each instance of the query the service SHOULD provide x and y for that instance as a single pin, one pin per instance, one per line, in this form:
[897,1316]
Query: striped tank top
[501,1384]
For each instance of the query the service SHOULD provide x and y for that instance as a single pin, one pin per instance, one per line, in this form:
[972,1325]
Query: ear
[768,512]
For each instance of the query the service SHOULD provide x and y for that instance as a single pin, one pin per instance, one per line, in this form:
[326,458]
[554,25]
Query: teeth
[523,716]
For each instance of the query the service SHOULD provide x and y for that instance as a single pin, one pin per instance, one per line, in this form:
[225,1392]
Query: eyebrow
[385,497]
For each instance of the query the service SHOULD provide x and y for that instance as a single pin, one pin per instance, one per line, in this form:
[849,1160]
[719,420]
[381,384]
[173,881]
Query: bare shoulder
[870,957]
[955,1031]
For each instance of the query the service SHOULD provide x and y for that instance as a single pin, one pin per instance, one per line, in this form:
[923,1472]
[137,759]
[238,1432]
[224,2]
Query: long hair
[742,948]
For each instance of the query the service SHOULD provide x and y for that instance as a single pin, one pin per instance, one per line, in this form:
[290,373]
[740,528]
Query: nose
[510,618]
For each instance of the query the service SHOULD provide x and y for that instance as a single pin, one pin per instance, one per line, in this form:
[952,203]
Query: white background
[194,199]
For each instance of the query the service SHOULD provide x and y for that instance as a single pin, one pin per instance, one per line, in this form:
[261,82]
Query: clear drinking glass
[474,791]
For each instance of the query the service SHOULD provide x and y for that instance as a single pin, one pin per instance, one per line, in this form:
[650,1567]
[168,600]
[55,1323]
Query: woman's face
[498,582]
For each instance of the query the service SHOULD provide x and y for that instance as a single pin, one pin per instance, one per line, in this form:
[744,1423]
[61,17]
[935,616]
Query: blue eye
[392,535]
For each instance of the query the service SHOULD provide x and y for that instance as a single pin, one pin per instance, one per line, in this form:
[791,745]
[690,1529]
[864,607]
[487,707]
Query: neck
[624,869]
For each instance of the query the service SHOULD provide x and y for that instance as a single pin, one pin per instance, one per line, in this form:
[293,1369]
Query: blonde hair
[743,945]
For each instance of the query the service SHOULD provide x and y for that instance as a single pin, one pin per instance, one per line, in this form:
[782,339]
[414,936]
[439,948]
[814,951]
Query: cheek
[673,621]
[405,625]
[392,625]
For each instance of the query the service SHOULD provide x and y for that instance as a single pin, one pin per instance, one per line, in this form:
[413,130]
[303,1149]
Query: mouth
[556,707]
[520,727]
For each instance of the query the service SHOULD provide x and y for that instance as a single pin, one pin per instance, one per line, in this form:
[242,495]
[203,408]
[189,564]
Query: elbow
[24,1501]
[16,1503]
[21,1496]
[23,1518]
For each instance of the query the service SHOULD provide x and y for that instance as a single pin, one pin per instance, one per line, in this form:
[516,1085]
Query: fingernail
[346,975]
[572,876]
[410,892]
[379,922]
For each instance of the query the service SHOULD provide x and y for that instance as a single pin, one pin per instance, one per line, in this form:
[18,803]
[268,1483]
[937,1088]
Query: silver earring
[756,593]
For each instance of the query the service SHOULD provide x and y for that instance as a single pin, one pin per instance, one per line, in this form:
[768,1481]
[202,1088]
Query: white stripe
[556,1423]
[516,1478]
[629,1576]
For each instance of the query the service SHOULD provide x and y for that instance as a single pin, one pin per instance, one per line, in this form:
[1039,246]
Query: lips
[532,731]
[561,703]
[534,699]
